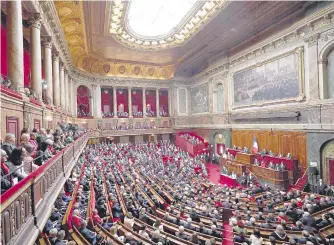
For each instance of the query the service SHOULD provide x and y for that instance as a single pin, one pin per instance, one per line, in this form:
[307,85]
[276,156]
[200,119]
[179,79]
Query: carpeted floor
[227,235]
[213,172]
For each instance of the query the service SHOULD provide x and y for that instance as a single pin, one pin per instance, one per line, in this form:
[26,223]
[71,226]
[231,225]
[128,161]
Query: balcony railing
[26,205]
[118,132]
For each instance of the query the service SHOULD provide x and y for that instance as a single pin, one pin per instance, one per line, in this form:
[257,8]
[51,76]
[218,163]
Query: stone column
[15,44]
[72,97]
[73,94]
[48,69]
[169,111]
[65,91]
[36,54]
[313,70]
[130,102]
[61,84]
[97,99]
[144,102]
[157,104]
[114,97]
[93,101]
[56,86]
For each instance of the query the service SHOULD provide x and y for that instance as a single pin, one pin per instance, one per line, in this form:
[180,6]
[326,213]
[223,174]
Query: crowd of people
[107,114]
[192,139]
[135,169]
[163,113]
[33,150]
[122,114]
[149,113]
[137,114]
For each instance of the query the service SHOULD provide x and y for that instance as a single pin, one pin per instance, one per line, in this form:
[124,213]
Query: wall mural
[277,79]
[200,99]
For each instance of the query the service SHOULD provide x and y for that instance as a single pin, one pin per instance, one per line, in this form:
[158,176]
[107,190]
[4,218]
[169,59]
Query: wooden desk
[278,178]
[228,180]
[233,166]
[245,158]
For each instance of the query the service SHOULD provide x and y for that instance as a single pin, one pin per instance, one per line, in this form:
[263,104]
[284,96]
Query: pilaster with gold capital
[47,44]
[36,54]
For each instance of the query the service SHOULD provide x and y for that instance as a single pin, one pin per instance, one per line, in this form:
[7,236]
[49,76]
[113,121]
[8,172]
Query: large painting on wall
[200,99]
[278,79]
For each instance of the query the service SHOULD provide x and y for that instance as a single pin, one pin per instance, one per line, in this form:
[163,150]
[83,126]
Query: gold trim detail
[196,18]
[71,16]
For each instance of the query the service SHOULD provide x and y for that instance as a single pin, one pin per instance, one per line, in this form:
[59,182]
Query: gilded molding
[120,29]
[321,21]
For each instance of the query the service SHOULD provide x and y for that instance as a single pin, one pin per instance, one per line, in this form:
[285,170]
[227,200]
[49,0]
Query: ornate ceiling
[102,40]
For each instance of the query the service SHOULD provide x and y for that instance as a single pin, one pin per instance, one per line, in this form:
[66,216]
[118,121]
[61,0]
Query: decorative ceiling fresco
[158,24]
[110,38]
[75,15]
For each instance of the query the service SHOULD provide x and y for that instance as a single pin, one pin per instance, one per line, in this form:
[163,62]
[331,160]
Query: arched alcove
[326,68]
[327,162]
[330,75]
[84,107]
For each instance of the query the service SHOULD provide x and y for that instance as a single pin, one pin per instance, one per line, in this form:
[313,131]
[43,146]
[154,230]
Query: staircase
[301,182]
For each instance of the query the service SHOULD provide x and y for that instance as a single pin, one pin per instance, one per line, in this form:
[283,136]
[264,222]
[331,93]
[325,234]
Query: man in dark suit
[9,144]
[89,235]
[307,219]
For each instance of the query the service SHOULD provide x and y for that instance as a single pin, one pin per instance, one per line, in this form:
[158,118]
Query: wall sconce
[48,118]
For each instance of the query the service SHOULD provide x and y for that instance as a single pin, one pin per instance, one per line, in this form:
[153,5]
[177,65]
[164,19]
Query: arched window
[330,74]
[83,101]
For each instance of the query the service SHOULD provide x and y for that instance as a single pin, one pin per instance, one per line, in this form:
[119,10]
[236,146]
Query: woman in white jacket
[129,220]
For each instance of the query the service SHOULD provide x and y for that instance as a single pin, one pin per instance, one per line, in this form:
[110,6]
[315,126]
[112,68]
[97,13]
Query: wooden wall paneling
[12,126]
[261,139]
[277,141]
[300,152]
[285,143]
[37,124]
[273,141]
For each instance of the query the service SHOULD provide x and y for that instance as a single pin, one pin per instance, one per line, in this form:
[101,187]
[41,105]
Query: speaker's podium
[245,158]
[227,214]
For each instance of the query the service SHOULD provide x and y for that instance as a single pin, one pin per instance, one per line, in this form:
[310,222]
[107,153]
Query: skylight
[153,18]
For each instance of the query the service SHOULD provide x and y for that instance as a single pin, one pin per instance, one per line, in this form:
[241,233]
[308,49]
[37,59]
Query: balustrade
[26,205]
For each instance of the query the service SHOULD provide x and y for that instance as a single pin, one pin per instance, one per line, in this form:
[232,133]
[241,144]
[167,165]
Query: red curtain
[163,101]
[151,100]
[107,99]
[137,98]
[4,67]
[331,172]
[4,63]
[122,98]
[83,101]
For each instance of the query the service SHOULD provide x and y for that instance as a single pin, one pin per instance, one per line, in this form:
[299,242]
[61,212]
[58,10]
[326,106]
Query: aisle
[213,172]
[227,234]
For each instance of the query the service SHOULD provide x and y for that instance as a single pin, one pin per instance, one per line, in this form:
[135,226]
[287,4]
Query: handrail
[36,173]
[306,171]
